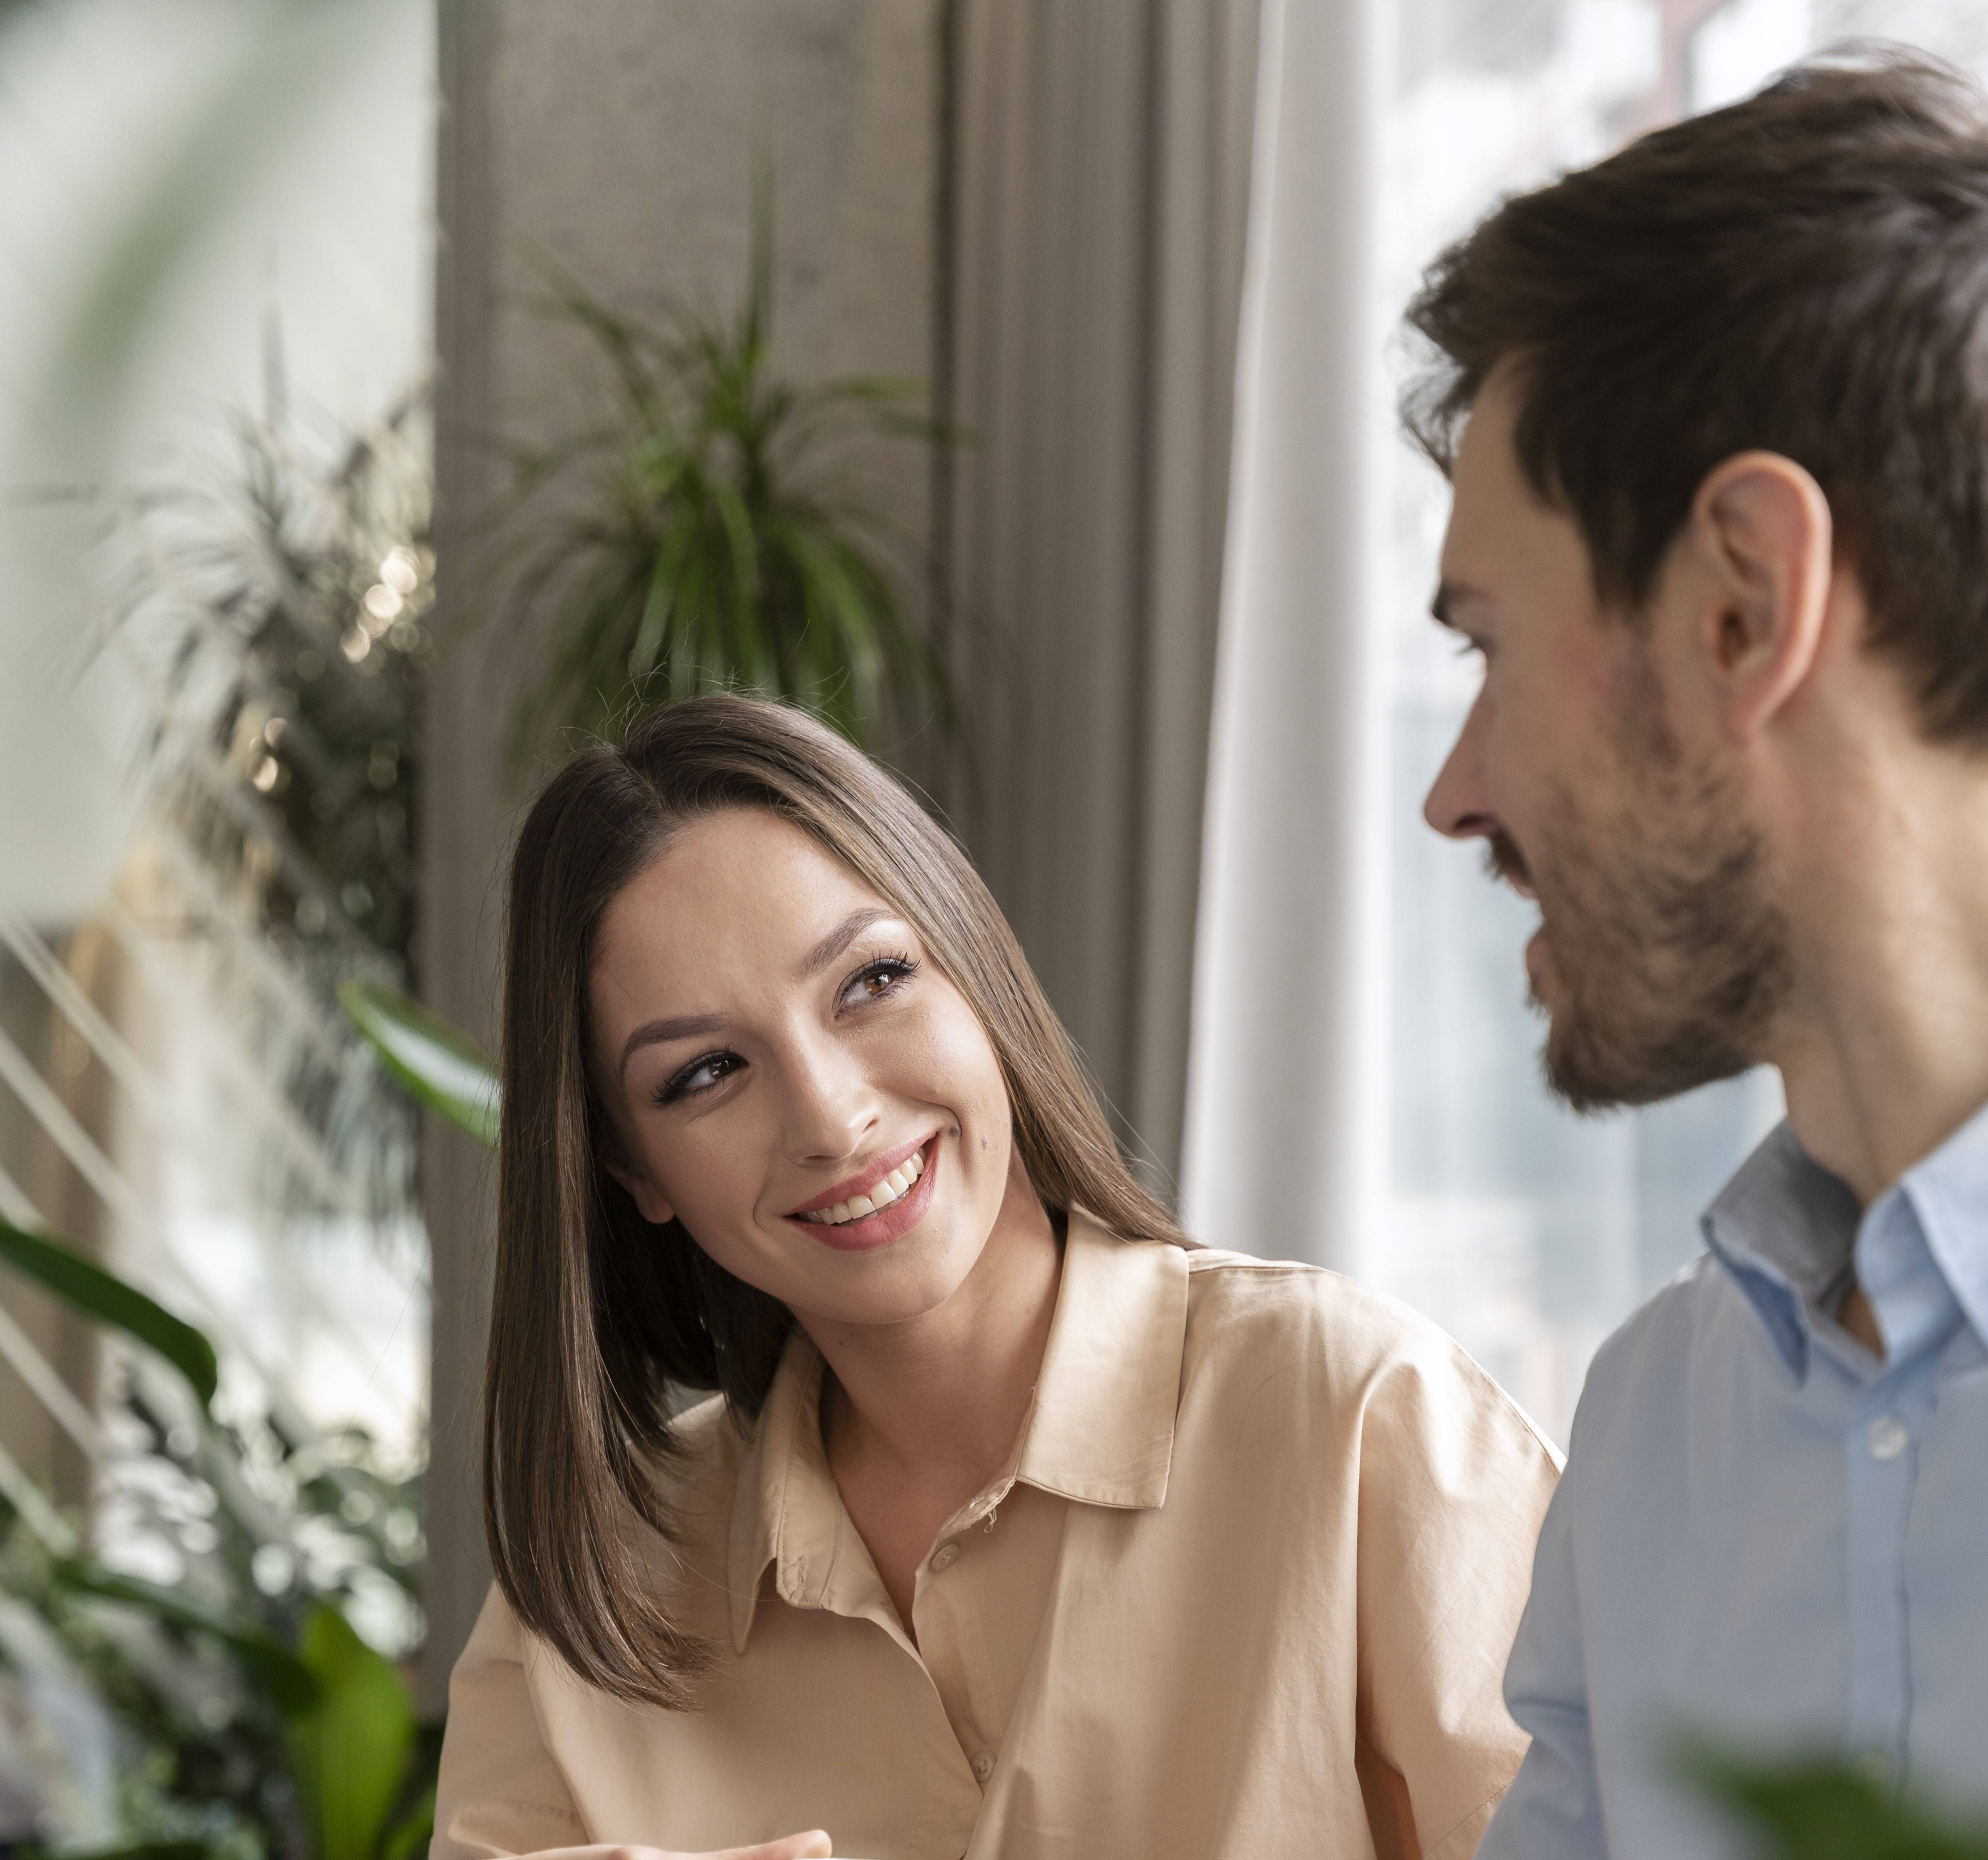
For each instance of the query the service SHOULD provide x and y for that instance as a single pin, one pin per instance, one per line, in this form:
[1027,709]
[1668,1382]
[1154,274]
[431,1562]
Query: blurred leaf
[85,1286]
[145,1850]
[1823,1811]
[352,1747]
[408,1838]
[443,1067]
[287,59]
[290,1682]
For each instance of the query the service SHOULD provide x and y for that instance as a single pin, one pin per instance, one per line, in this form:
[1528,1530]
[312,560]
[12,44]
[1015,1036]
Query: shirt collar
[1784,1228]
[1101,1430]
[1787,1228]
[1946,1195]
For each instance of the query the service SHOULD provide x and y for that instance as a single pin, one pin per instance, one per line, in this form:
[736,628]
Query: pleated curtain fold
[1096,227]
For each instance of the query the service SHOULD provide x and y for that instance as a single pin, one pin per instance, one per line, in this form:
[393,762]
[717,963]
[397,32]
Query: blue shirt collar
[1787,1230]
[1784,1227]
[1947,1195]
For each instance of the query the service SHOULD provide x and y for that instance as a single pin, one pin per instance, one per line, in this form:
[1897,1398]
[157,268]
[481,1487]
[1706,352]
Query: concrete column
[618,138]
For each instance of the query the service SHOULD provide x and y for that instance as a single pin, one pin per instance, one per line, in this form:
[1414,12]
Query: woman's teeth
[898,1182]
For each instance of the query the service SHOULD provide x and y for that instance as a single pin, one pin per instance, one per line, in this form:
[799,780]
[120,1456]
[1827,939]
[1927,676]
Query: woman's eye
[875,980]
[700,1075]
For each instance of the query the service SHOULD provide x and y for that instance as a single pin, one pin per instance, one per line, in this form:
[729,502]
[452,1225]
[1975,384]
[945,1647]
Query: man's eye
[700,1075]
[875,980]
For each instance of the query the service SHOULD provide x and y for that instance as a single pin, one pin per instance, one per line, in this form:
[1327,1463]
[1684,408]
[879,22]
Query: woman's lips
[853,1185]
[886,1224]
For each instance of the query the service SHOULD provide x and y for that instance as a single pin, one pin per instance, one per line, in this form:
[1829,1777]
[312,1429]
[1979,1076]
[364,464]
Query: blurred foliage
[222,1687]
[283,62]
[1825,1811]
[704,547]
[443,1068]
[281,611]
[229,1688]
[86,1287]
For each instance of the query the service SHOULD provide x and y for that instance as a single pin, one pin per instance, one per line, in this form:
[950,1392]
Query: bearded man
[1715,413]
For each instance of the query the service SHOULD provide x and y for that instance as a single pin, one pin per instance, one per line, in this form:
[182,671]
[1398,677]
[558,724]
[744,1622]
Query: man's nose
[1457,806]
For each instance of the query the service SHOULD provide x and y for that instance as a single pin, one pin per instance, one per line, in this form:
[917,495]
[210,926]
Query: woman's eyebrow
[839,939]
[685,1026]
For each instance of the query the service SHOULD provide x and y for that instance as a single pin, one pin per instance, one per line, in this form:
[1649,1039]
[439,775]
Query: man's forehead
[1487,457]
[1499,526]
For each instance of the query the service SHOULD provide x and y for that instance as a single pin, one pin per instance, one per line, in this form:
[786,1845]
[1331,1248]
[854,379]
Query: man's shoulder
[1649,1361]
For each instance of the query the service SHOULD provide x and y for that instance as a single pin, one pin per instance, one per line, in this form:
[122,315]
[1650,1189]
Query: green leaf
[408,1838]
[351,1748]
[443,1068]
[1822,1811]
[287,1679]
[80,1283]
[145,1850]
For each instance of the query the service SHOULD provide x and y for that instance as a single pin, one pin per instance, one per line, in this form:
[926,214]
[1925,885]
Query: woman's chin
[896,1283]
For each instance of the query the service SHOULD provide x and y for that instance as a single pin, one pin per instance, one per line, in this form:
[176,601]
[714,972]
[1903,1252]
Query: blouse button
[983,1765]
[944,1557]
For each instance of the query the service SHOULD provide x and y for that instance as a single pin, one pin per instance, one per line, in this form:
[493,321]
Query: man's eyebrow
[839,939]
[684,1026]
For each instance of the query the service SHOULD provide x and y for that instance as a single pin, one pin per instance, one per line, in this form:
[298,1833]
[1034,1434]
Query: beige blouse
[1246,1590]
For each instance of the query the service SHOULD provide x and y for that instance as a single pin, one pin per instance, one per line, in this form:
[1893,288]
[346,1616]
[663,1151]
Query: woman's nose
[833,1105]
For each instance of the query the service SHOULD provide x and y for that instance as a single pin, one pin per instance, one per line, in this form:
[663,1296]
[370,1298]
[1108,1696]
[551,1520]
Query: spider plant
[715,541]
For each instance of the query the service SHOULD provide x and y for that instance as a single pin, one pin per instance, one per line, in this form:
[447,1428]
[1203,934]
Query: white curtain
[1286,1118]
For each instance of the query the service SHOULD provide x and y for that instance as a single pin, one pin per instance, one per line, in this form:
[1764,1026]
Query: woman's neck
[936,1406]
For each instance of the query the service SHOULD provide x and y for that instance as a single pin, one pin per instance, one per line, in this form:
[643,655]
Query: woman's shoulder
[1346,1343]
[1286,1304]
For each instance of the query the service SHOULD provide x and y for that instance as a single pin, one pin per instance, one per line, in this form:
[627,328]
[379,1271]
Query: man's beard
[1671,963]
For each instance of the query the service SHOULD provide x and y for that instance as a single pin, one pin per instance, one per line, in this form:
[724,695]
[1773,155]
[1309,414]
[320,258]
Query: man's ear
[1765,541]
[649,1200]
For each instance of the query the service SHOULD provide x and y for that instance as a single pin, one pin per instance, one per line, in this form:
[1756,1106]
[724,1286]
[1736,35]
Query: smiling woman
[787,1117]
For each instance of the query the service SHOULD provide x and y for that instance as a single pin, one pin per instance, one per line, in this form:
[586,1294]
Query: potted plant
[704,535]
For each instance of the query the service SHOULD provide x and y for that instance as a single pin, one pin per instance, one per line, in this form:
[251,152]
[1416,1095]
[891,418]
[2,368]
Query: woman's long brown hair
[596,1313]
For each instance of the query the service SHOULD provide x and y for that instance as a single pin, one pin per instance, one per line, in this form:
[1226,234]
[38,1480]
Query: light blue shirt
[1765,1537]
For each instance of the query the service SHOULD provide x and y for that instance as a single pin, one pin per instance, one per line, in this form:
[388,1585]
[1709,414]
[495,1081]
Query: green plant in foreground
[250,1719]
[714,545]
[1823,1811]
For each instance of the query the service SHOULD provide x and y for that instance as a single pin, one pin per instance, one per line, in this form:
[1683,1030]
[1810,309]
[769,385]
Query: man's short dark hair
[1805,272]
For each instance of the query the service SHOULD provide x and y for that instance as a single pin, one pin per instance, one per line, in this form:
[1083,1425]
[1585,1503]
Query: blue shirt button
[1888,1438]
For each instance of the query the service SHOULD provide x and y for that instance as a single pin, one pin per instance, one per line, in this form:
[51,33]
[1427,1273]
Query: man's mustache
[1503,860]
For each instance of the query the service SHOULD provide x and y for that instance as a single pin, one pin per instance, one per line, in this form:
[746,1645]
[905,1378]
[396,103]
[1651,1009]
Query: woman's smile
[882,1204]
